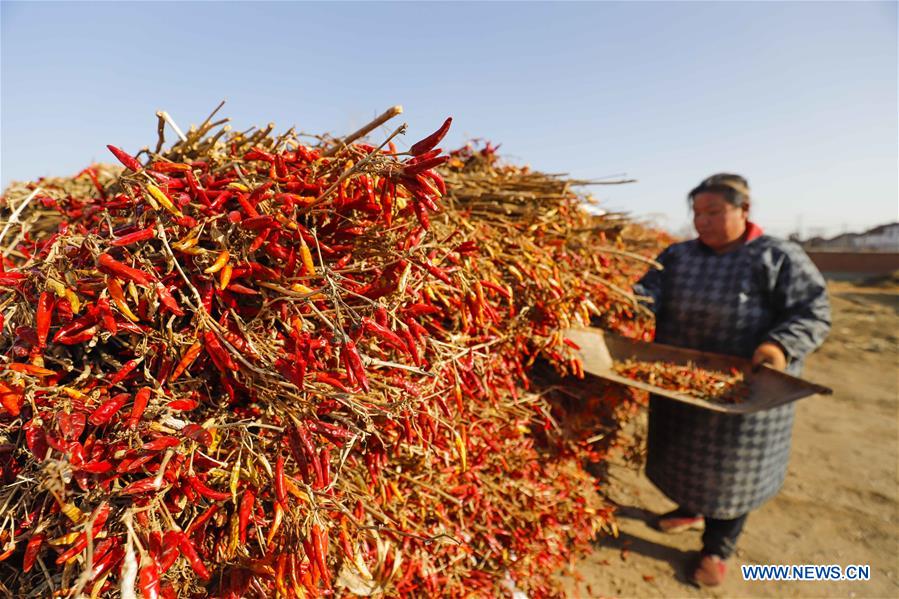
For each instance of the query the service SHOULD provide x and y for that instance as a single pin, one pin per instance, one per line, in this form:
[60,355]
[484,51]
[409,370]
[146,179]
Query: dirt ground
[840,502]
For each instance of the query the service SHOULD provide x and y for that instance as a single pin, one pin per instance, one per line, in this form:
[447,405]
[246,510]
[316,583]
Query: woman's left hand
[769,354]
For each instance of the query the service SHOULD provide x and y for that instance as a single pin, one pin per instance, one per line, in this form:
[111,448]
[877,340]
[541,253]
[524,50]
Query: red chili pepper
[11,279]
[385,335]
[422,166]
[127,368]
[263,273]
[136,237]
[161,166]
[332,431]
[318,545]
[32,550]
[221,199]
[345,544]
[35,438]
[309,452]
[170,546]
[421,214]
[82,336]
[100,467]
[355,362]
[135,464]
[207,491]
[257,154]
[148,580]
[498,288]
[348,367]
[127,159]
[106,315]
[260,239]
[168,300]
[197,433]
[78,325]
[244,511]
[241,289]
[257,194]
[162,442]
[108,553]
[258,223]
[437,272]
[142,486]
[108,409]
[431,140]
[196,189]
[93,177]
[309,549]
[140,404]
[190,552]
[248,208]
[182,405]
[426,156]
[278,251]
[219,355]
[421,309]
[324,459]
[280,491]
[323,377]
[114,267]
[388,192]
[438,181]
[411,345]
[43,315]
[202,519]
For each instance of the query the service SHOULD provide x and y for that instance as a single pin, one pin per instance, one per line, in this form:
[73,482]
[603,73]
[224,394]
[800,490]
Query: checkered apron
[723,465]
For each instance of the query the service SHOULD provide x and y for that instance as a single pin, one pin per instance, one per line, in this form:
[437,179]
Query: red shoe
[677,521]
[710,571]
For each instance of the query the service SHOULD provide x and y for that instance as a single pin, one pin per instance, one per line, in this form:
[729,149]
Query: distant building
[884,238]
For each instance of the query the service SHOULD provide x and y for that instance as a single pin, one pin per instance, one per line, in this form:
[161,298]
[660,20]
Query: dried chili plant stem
[362,132]
[14,217]
[168,119]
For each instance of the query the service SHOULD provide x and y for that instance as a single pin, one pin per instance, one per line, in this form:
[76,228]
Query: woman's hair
[733,188]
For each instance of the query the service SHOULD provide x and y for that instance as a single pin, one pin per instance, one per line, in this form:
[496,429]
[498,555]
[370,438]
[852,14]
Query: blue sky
[801,98]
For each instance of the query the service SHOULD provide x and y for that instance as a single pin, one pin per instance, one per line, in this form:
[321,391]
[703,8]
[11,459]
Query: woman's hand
[769,354]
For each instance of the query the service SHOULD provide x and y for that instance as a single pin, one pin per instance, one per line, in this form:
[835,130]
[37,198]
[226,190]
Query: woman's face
[718,222]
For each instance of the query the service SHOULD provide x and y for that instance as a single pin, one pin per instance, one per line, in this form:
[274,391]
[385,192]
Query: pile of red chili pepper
[250,367]
[712,385]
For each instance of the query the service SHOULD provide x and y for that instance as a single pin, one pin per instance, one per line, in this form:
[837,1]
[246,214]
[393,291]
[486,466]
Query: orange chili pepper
[219,263]
[118,297]
[31,369]
[186,360]
[306,257]
[225,277]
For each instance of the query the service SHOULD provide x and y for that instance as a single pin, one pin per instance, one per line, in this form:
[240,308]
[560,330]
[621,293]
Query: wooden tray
[768,388]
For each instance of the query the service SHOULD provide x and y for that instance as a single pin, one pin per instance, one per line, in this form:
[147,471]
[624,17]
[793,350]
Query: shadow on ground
[677,559]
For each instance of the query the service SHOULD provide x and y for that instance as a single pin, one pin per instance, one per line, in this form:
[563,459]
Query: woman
[732,291]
